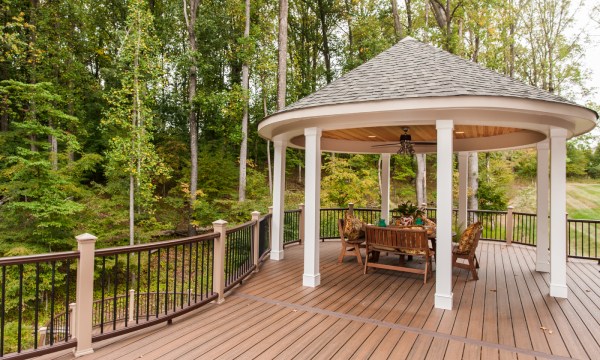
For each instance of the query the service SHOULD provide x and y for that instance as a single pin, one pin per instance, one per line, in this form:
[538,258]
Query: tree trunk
[421,179]
[282,54]
[245,86]
[131,210]
[53,149]
[4,115]
[473,180]
[191,6]
[324,30]
[409,17]
[397,25]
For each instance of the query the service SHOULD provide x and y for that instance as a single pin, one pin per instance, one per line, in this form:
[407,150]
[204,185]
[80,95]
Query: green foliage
[352,179]
[494,180]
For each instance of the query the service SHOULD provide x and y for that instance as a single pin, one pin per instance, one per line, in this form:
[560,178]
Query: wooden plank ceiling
[418,133]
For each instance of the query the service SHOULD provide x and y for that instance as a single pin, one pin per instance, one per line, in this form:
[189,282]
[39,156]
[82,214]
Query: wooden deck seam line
[400,327]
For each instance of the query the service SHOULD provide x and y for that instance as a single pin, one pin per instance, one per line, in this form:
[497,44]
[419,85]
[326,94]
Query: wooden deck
[507,314]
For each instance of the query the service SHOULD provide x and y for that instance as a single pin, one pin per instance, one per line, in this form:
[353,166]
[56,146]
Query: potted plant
[408,213]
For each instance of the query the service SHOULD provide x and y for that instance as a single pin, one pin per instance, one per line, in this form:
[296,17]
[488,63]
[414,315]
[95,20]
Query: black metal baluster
[37,306]
[190,275]
[52,296]
[20,309]
[175,280]
[127,275]
[3,311]
[137,293]
[67,330]
[157,282]
[102,296]
[182,274]
[196,277]
[115,266]
[148,285]
[167,283]
[202,275]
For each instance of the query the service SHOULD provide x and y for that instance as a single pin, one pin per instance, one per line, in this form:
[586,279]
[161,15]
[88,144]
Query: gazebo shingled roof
[412,69]
[413,84]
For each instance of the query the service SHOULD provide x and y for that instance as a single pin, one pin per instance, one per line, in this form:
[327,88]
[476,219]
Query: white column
[558,208]
[312,206]
[542,262]
[278,199]
[463,184]
[443,274]
[385,187]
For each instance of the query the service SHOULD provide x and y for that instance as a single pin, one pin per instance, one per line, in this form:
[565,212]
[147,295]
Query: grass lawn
[583,200]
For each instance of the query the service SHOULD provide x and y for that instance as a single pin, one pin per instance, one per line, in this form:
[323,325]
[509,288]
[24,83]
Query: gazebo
[442,98]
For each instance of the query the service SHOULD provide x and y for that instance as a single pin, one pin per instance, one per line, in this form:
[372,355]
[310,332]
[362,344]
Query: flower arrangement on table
[410,214]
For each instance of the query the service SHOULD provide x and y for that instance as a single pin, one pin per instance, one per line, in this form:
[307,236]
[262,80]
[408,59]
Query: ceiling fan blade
[424,142]
[386,145]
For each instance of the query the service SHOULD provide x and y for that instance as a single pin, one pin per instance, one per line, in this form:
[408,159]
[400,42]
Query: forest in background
[129,118]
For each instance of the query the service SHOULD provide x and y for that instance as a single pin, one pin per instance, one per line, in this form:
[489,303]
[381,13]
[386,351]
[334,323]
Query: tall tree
[282,45]
[245,96]
[129,118]
[190,12]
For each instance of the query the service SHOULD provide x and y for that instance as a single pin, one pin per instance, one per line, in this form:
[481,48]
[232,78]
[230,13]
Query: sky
[592,54]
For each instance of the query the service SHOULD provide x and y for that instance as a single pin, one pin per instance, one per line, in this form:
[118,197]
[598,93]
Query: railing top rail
[156,245]
[335,208]
[293,211]
[241,226]
[267,216]
[585,221]
[32,259]
[489,211]
[523,213]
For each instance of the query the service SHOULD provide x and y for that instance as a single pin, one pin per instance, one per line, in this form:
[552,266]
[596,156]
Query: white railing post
[132,304]
[256,238]
[351,208]
[72,322]
[84,294]
[301,225]
[219,226]
[509,225]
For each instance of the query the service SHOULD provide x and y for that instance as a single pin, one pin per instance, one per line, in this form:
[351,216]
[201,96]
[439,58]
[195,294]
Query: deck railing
[128,287]
[583,236]
[33,290]
[291,226]
[160,275]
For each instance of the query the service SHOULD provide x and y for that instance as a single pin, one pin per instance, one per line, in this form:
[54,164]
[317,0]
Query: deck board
[383,314]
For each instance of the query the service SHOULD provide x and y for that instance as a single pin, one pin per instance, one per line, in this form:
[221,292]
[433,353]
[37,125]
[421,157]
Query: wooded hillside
[126,118]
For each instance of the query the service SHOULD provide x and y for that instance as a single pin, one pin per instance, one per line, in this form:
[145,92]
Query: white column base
[276,255]
[80,353]
[542,267]
[443,301]
[311,280]
[559,291]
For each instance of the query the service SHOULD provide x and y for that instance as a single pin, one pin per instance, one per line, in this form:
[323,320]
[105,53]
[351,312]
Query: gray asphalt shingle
[411,69]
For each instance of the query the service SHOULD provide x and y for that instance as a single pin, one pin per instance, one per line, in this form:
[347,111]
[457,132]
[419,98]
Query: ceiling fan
[406,143]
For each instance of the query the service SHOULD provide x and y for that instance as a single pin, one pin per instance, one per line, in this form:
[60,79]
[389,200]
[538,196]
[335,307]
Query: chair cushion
[353,228]
[468,237]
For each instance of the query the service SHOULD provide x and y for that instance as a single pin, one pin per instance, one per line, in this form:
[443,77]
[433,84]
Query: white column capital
[312,131]
[386,156]
[463,154]
[558,132]
[444,124]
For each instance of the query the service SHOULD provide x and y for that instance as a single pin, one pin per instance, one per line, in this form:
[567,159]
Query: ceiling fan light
[406,148]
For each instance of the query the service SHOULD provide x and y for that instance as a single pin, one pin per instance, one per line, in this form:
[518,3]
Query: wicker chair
[350,247]
[471,263]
